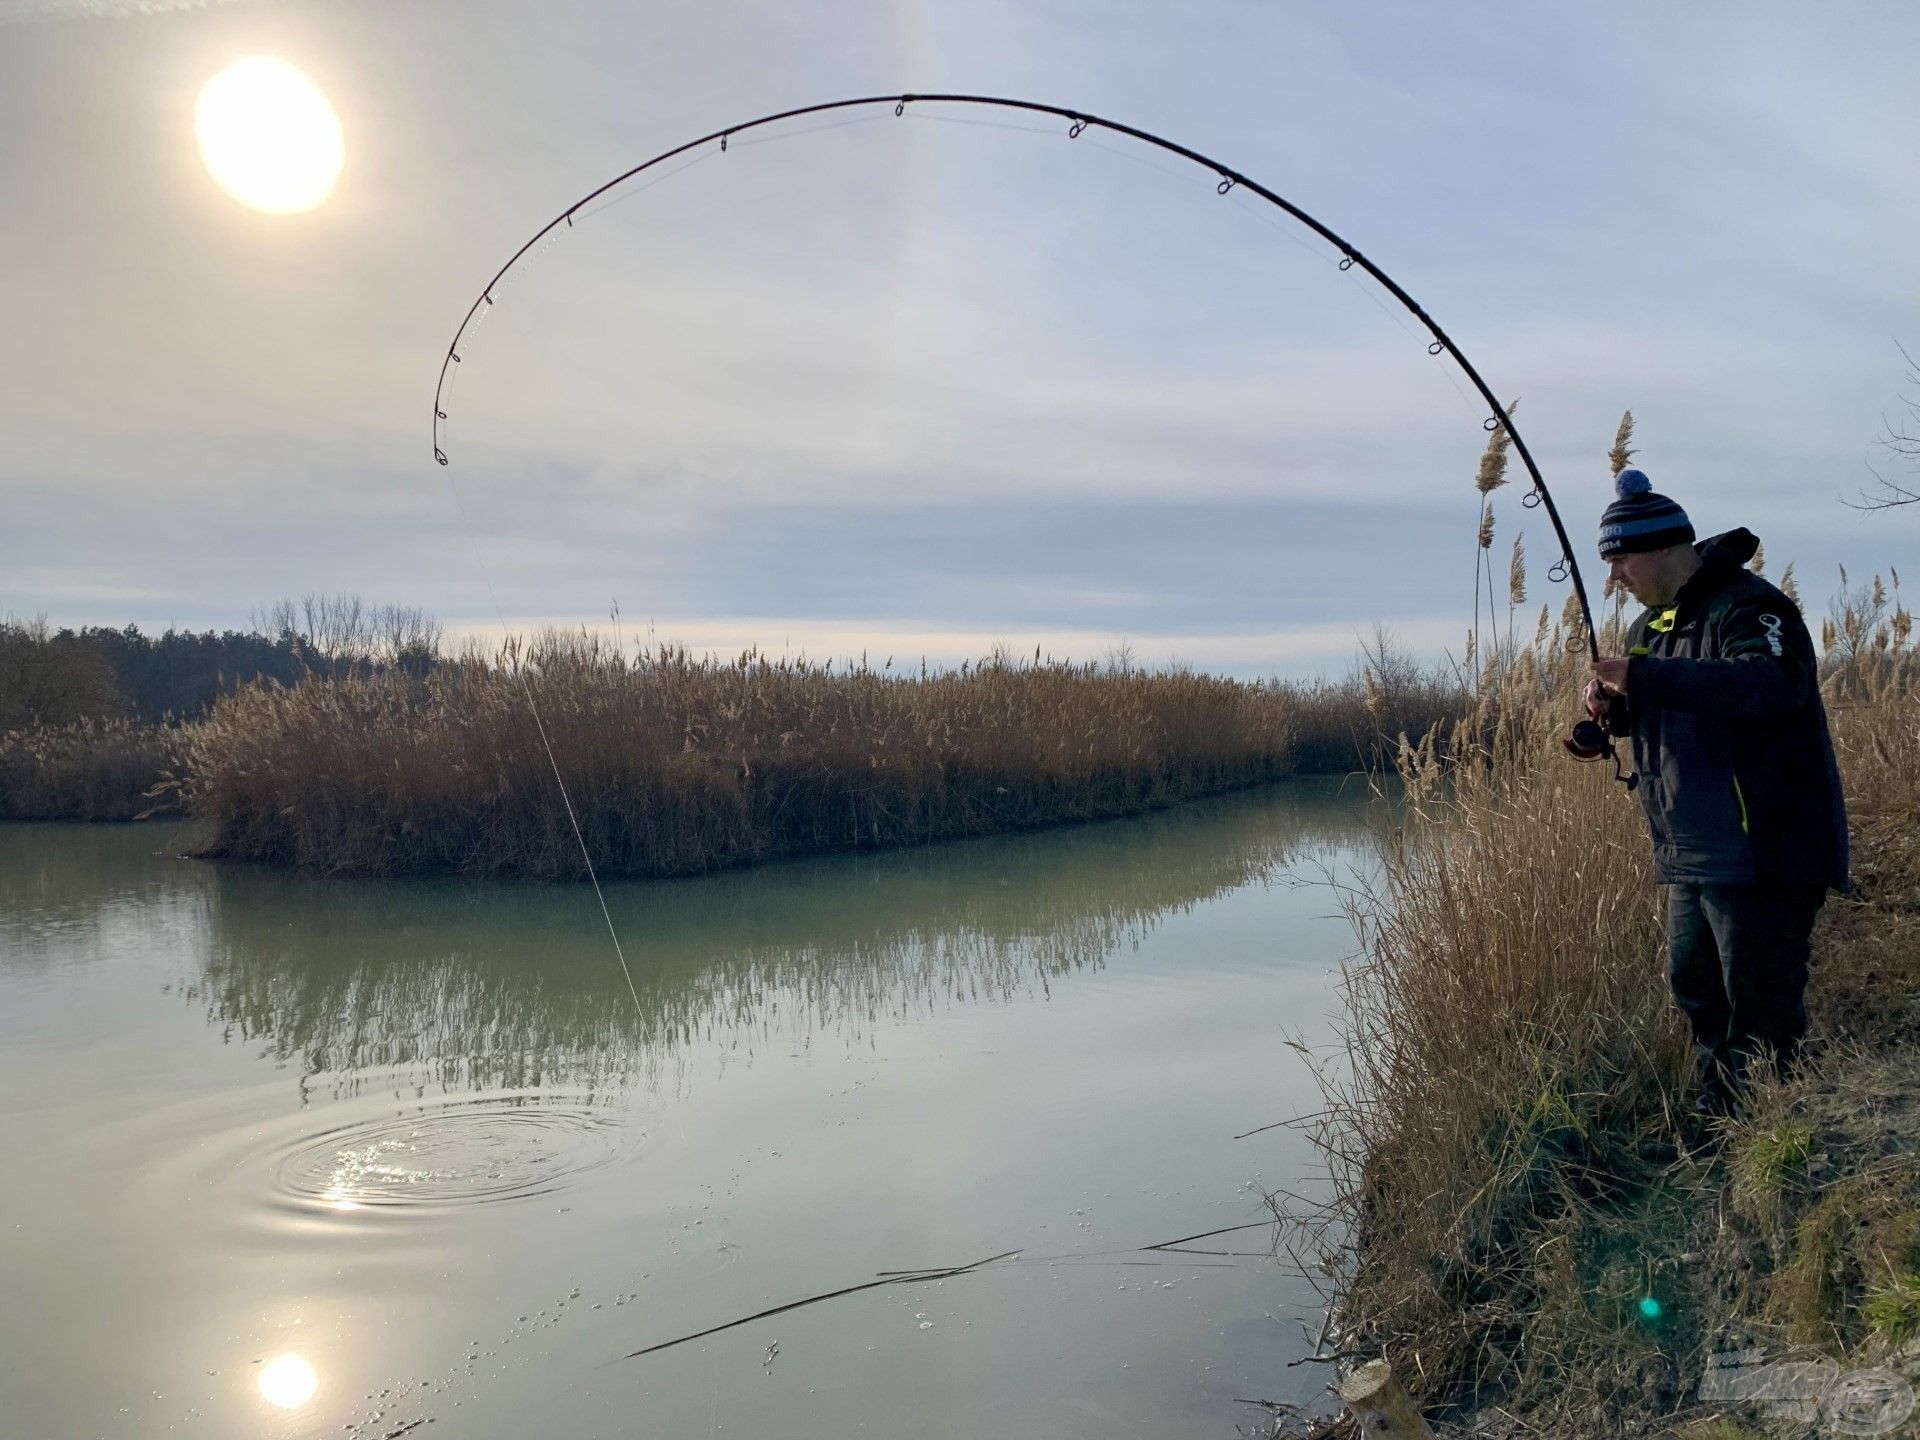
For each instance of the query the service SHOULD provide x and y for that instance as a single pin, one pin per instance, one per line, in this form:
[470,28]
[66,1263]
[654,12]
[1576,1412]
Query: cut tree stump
[1380,1405]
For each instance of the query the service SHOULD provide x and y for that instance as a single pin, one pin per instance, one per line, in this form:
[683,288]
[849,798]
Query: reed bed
[1356,724]
[678,764]
[92,769]
[62,769]
[1526,1218]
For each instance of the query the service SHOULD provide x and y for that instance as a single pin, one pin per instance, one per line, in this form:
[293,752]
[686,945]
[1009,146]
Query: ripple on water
[466,1151]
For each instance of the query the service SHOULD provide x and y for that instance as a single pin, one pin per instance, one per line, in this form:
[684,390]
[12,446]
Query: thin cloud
[20,12]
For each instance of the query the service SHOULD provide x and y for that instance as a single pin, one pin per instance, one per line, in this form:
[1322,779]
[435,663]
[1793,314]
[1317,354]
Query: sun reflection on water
[288,1381]
[335,1197]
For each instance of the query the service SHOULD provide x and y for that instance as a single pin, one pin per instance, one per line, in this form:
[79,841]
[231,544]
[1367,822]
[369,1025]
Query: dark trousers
[1737,961]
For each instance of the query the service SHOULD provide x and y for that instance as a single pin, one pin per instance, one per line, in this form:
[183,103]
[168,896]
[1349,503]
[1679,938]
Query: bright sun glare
[288,1382]
[269,136]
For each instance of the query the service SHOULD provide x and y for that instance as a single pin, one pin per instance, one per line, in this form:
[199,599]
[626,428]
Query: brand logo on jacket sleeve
[1772,624]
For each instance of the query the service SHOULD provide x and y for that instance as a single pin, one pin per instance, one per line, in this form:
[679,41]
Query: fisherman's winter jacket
[1736,768]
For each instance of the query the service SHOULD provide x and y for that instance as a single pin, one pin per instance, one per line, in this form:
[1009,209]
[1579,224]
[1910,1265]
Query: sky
[923,385]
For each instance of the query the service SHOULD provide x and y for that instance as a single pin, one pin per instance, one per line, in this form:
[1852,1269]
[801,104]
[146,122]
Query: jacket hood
[1728,550]
[1721,559]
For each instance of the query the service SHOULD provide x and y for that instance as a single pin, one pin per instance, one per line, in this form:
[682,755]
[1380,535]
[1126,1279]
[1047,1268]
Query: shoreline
[1531,1226]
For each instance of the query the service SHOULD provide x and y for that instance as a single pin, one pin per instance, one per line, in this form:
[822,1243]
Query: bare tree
[1390,674]
[337,627]
[1902,441]
[405,636]
[339,632]
[278,621]
[403,632]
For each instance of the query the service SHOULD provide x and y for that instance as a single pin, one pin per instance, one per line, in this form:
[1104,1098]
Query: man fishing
[1719,693]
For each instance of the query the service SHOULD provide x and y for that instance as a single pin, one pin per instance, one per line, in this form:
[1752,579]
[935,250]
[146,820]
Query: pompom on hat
[1640,519]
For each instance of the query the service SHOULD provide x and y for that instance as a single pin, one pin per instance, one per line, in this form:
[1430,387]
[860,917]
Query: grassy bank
[1528,1221]
[679,765]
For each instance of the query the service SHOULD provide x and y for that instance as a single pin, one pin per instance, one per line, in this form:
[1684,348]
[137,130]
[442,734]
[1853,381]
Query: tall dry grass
[677,764]
[1509,1045]
[94,769]
[1515,1171]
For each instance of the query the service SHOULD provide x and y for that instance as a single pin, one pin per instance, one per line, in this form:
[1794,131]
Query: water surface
[289,1156]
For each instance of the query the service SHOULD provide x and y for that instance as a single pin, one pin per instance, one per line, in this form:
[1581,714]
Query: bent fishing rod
[1078,122]
[1567,567]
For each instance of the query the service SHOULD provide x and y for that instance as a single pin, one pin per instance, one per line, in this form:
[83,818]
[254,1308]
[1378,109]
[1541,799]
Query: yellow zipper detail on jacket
[1740,795]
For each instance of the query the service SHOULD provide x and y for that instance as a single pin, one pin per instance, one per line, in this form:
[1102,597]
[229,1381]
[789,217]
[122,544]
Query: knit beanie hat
[1639,519]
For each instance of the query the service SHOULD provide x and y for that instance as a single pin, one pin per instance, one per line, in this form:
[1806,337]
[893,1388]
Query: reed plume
[1622,453]
[1489,477]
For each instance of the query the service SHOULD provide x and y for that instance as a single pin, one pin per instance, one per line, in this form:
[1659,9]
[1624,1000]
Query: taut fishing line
[1228,183]
[540,728]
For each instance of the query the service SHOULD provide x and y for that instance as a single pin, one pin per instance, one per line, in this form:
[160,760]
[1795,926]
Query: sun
[269,136]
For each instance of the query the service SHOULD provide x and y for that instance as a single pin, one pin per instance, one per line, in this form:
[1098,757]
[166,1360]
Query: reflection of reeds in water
[468,985]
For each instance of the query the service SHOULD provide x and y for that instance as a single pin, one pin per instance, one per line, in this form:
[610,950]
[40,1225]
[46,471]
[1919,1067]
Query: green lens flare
[1650,1308]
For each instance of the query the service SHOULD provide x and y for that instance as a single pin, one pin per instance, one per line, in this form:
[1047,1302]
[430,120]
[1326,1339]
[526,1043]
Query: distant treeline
[178,673]
[61,677]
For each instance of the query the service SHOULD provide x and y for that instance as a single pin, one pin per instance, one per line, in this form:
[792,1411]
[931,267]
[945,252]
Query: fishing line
[1326,257]
[660,179]
[807,130]
[1286,232]
[1412,334]
[976,124]
[1245,207]
[539,725]
[1400,324]
[1074,124]
[1331,258]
